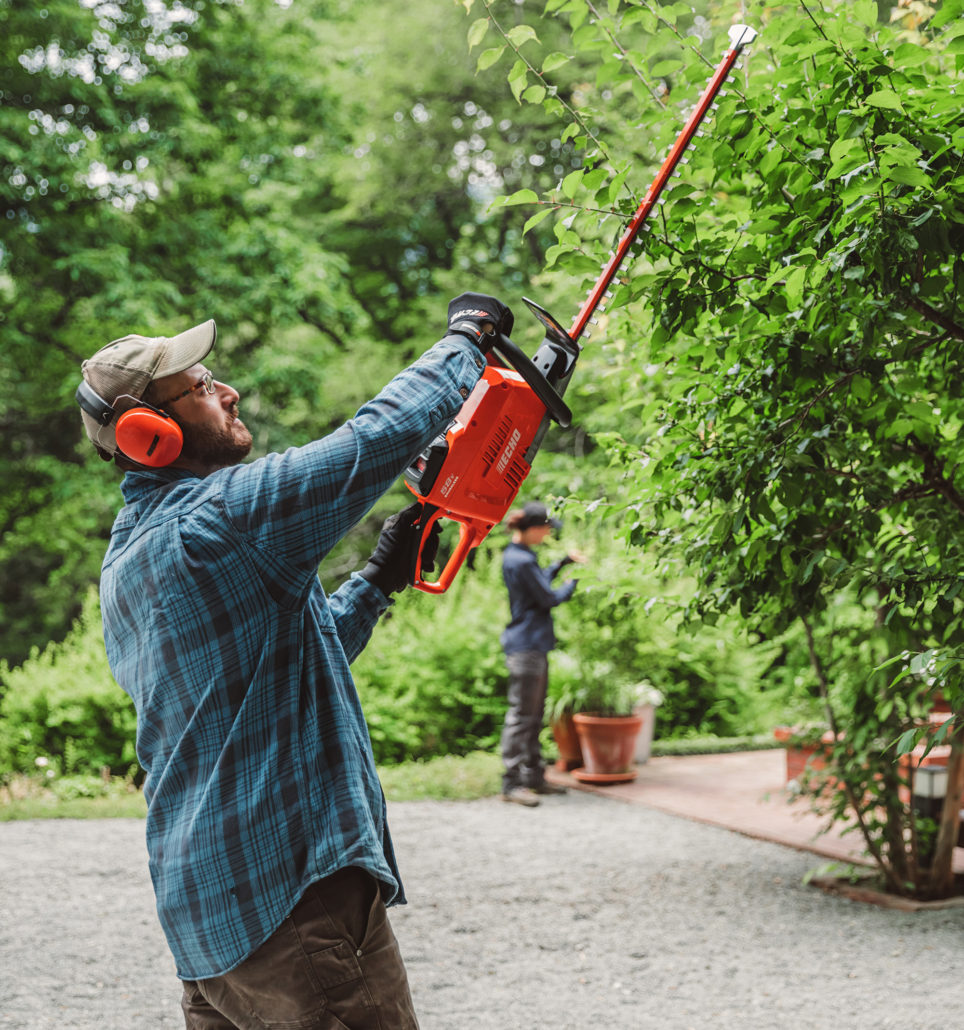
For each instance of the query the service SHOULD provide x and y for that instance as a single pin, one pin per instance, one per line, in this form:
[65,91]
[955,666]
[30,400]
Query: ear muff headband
[144,434]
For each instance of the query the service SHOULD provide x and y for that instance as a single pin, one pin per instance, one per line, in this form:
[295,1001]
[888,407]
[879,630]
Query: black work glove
[468,314]
[393,559]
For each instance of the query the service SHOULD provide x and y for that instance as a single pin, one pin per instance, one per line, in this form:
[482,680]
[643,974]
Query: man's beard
[216,447]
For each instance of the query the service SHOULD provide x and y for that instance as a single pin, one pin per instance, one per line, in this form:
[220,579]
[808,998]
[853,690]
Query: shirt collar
[138,484]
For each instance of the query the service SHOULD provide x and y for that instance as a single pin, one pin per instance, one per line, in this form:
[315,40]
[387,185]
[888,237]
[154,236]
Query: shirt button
[359,952]
[479,363]
[464,392]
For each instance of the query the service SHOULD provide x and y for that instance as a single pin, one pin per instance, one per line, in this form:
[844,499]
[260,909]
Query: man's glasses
[205,383]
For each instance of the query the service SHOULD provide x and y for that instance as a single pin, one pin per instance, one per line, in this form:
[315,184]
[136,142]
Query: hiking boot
[521,796]
[549,788]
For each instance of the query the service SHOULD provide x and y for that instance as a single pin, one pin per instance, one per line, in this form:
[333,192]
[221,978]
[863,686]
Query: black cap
[535,513]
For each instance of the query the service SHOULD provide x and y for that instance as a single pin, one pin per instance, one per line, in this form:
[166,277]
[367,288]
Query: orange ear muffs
[149,437]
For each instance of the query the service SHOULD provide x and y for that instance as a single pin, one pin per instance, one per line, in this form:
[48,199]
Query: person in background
[266,827]
[527,641]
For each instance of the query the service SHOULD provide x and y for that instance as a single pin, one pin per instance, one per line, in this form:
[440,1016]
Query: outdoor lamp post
[927,800]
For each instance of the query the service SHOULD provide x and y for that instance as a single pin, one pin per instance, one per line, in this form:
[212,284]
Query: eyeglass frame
[206,383]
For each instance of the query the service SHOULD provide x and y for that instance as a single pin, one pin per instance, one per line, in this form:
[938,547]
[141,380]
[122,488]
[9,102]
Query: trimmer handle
[471,534]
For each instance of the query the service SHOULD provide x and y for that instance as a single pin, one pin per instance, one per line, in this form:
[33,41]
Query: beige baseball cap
[126,367]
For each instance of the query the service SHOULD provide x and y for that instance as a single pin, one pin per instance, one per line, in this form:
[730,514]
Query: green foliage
[714,745]
[450,778]
[476,775]
[286,169]
[152,157]
[795,419]
[71,797]
[432,681]
[625,624]
[62,712]
[862,782]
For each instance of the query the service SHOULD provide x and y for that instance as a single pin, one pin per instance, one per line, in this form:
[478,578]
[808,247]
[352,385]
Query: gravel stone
[582,913]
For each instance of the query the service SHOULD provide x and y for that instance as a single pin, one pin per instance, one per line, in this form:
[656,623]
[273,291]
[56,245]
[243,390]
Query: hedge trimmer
[473,471]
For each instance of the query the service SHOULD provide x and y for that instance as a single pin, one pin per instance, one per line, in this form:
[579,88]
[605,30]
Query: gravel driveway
[583,913]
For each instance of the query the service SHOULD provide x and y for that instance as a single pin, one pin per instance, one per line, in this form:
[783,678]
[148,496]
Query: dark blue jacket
[531,600]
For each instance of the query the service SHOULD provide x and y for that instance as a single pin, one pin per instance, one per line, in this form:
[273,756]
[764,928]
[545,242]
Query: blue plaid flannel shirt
[260,774]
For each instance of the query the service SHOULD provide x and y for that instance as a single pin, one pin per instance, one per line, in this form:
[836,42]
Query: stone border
[843,887]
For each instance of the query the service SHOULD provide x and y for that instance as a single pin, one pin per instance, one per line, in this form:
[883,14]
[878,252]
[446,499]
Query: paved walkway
[743,792]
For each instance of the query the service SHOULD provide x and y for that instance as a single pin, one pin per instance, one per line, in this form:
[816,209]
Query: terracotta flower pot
[608,747]
[567,741]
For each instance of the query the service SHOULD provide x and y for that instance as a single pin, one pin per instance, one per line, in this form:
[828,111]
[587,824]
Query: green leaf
[907,741]
[907,175]
[477,32]
[770,160]
[488,57]
[518,78]
[793,289]
[539,216]
[664,68]
[534,94]
[920,662]
[594,179]
[949,9]
[864,11]
[571,183]
[616,186]
[887,99]
[521,34]
[554,61]
[846,155]
[570,132]
[521,197]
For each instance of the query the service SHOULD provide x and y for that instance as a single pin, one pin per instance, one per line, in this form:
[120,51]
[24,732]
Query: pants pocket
[273,989]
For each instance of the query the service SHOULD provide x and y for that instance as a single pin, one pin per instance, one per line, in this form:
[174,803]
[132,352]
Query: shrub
[715,682]
[432,681]
[63,707]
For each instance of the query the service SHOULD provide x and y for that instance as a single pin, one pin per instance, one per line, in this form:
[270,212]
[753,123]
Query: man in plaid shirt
[266,824]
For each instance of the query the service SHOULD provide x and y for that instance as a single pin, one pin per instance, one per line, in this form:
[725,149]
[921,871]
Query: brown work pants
[333,964]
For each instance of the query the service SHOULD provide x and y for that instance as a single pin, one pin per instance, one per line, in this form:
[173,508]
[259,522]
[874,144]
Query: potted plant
[561,703]
[648,699]
[609,719]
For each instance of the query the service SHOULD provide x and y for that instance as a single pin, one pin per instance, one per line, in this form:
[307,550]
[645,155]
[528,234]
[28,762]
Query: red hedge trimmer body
[472,473]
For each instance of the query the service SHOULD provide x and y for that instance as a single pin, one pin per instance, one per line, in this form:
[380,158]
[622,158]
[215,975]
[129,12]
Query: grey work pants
[521,755]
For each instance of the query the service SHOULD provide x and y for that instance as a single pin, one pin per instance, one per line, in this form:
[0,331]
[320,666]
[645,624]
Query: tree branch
[824,688]
[938,318]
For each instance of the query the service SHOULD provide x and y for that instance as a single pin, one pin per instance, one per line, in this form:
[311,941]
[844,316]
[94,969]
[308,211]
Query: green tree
[801,305]
[287,168]
[154,157]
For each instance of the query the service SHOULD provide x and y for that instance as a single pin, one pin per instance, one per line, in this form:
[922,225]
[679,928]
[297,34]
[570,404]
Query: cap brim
[186,349]
[555,523]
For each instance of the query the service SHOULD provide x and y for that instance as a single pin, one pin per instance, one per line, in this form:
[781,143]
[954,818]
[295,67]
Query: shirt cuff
[369,596]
